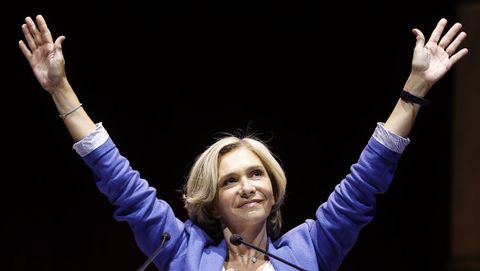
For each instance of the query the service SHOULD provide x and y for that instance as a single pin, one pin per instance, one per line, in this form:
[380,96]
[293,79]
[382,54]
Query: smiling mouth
[250,204]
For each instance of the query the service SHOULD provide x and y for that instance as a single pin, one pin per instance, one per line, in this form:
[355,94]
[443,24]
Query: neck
[246,254]
[256,236]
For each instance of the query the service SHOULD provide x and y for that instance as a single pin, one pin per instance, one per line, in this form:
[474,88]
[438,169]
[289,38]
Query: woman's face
[245,195]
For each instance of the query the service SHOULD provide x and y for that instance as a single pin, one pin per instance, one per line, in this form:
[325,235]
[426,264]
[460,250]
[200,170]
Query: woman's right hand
[45,56]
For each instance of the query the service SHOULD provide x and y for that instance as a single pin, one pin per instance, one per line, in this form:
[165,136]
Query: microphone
[165,238]
[236,240]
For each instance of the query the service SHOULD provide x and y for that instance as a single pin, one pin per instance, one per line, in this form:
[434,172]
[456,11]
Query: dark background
[312,78]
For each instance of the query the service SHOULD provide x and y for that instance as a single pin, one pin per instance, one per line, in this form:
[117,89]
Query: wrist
[62,86]
[64,98]
[416,86]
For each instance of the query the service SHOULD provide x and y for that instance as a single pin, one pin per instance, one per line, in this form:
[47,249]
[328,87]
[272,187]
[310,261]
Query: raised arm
[48,64]
[431,61]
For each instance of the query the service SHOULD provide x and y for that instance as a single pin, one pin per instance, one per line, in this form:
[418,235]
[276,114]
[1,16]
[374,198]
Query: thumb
[58,43]
[420,39]
[58,53]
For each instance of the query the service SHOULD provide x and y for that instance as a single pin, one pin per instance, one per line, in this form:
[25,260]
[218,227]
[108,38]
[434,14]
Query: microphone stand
[237,239]
[165,237]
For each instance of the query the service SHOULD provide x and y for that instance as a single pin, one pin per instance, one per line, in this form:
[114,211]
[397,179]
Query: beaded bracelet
[63,116]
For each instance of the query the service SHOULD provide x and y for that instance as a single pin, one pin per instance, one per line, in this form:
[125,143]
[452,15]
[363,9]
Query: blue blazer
[316,244]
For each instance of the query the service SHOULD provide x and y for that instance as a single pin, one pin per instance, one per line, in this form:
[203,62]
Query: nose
[247,188]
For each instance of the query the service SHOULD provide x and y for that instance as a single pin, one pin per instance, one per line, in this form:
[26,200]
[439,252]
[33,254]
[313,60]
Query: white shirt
[268,267]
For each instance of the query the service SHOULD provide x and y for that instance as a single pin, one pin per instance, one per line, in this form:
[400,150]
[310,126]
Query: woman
[236,186]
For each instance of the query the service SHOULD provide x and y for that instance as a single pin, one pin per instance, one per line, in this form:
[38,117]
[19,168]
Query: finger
[455,43]
[45,34]
[33,31]
[25,50]
[437,32]
[28,37]
[458,55]
[448,37]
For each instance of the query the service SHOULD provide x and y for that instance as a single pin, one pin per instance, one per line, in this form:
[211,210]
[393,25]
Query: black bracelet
[406,96]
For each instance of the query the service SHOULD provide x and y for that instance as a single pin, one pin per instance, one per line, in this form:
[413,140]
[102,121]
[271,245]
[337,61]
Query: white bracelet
[63,116]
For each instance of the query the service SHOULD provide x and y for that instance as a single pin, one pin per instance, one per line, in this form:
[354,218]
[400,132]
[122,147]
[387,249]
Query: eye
[257,173]
[228,181]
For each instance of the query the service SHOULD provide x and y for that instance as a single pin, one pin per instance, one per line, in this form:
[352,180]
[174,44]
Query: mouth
[250,204]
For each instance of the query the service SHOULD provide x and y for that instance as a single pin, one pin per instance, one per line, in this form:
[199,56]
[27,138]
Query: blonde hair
[201,186]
